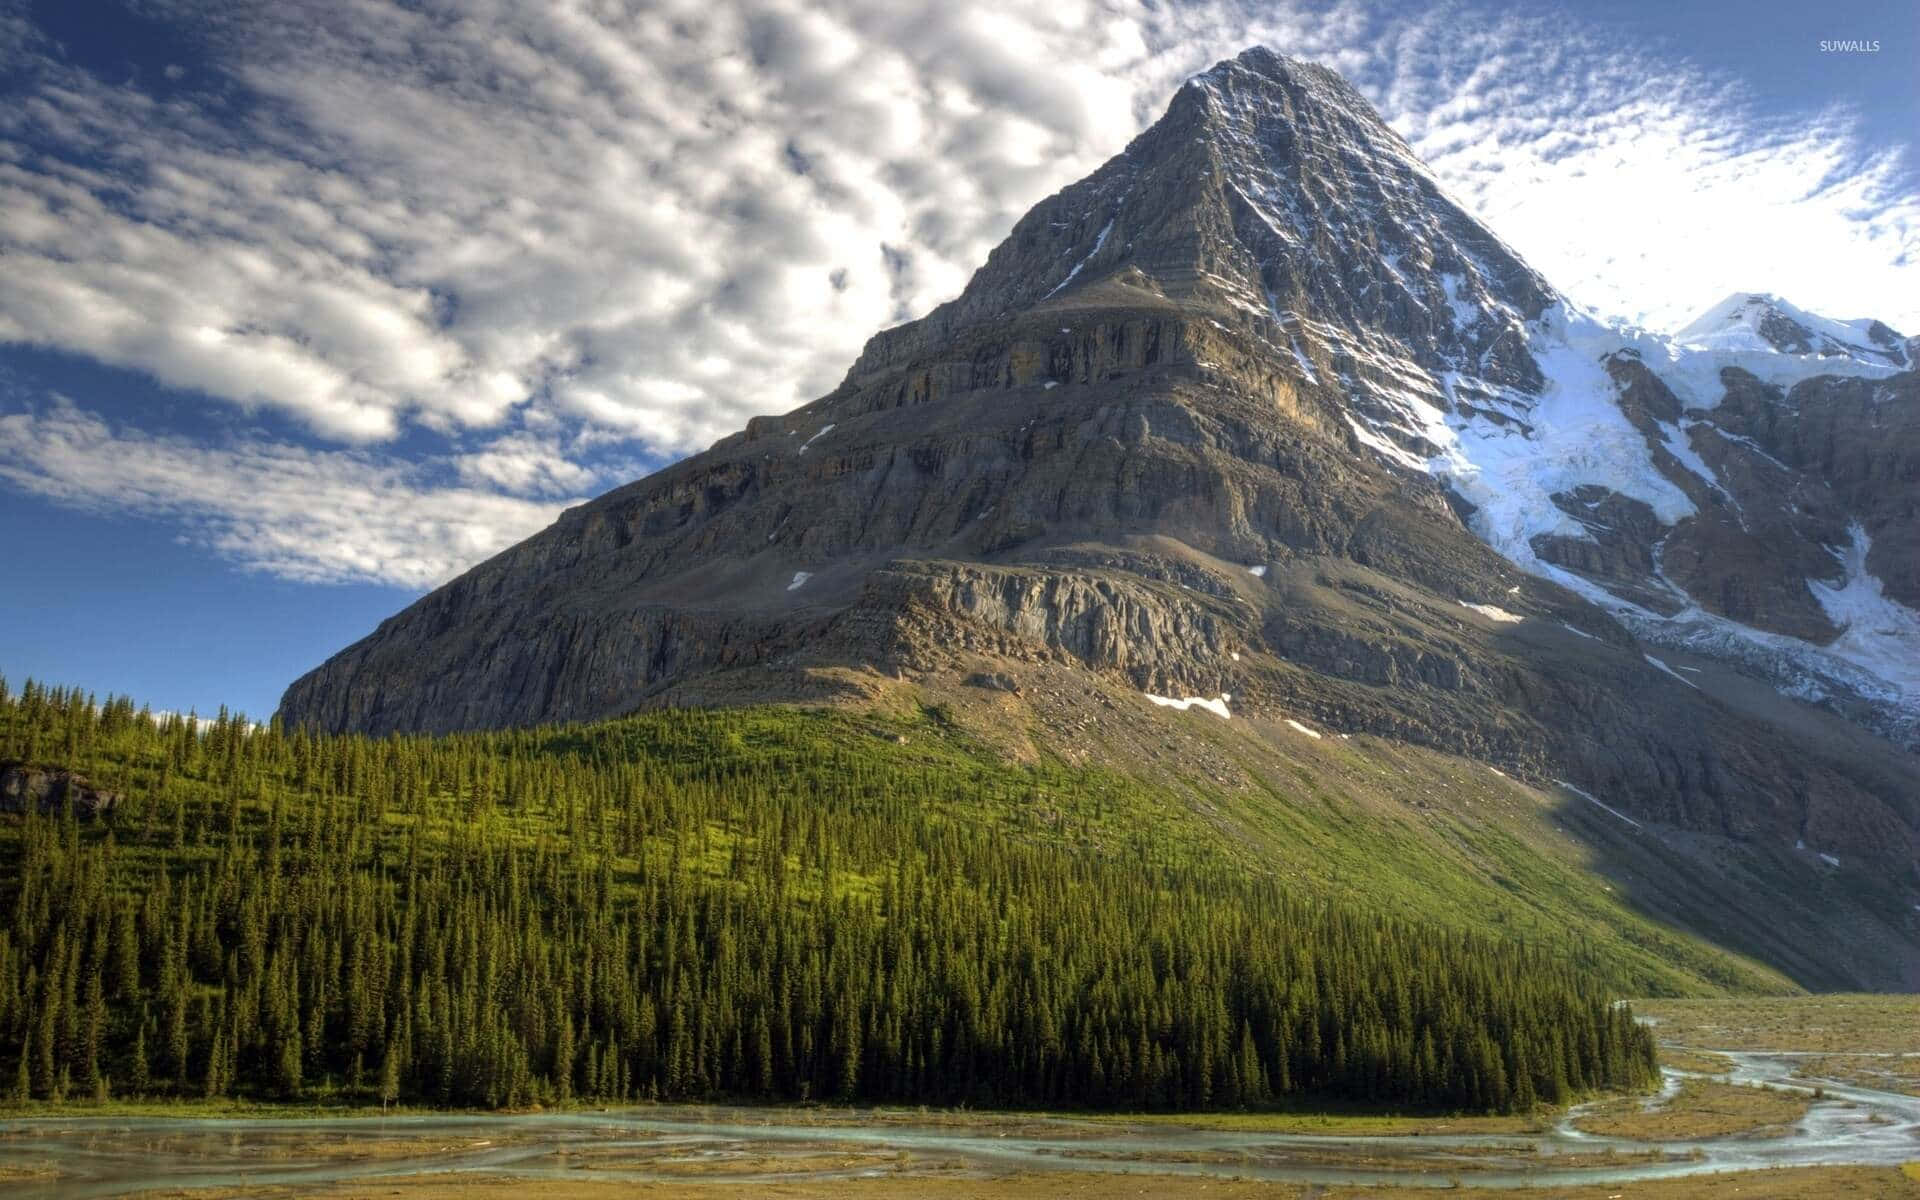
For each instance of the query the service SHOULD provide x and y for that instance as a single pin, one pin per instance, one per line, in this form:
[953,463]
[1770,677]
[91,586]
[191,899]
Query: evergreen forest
[762,904]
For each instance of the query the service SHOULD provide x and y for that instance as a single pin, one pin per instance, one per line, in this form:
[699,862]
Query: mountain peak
[1265,63]
[1763,322]
[1270,192]
[1264,87]
[1258,57]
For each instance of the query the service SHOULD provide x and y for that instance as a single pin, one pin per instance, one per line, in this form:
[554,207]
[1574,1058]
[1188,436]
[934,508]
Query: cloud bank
[320,516]
[563,236]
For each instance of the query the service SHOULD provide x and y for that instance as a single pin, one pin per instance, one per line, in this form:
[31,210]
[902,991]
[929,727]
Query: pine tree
[563,1060]
[287,1070]
[214,1082]
[141,1078]
[389,1078]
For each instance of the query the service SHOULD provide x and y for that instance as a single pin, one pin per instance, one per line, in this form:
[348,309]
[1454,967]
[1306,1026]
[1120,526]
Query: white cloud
[312,515]
[561,225]
[524,464]
[1649,190]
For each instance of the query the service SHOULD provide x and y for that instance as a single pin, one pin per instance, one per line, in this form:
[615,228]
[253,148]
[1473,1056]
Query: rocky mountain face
[1256,410]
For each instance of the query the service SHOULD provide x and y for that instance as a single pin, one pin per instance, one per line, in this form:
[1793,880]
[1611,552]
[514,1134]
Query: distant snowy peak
[1754,321]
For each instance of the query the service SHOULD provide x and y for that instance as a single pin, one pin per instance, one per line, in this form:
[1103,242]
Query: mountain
[1257,415]
[1753,321]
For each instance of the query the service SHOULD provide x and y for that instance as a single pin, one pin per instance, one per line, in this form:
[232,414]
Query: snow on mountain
[1451,356]
[1878,634]
[1511,465]
[1754,321]
[1511,455]
[1776,342]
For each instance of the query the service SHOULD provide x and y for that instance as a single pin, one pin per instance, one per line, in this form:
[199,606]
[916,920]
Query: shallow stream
[109,1156]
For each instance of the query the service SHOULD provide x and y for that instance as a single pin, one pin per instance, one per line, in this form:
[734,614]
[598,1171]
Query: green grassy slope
[1372,825]
[1413,831]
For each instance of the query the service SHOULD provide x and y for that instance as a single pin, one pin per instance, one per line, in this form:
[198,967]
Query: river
[112,1156]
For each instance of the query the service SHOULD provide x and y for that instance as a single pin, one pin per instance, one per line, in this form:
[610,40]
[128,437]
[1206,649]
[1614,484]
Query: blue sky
[1767,46]
[309,306]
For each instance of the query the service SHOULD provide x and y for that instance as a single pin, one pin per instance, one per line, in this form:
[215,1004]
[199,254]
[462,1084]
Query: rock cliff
[51,790]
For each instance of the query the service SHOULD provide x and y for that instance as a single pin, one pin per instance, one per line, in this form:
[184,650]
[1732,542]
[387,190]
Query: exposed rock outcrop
[1860,439]
[51,790]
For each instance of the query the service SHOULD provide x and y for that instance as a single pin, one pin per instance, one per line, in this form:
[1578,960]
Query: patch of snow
[1507,451]
[1496,770]
[1691,361]
[1217,706]
[1669,670]
[1050,384]
[1746,441]
[1465,316]
[1312,733]
[1877,633]
[1590,798]
[1681,447]
[1798,669]
[1306,366]
[1388,449]
[1236,656]
[1830,860]
[1493,612]
[1259,570]
[193,720]
[824,431]
[1578,632]
[799,577]
[1097,243]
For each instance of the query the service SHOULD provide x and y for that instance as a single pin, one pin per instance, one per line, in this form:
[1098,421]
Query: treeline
[692,905]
